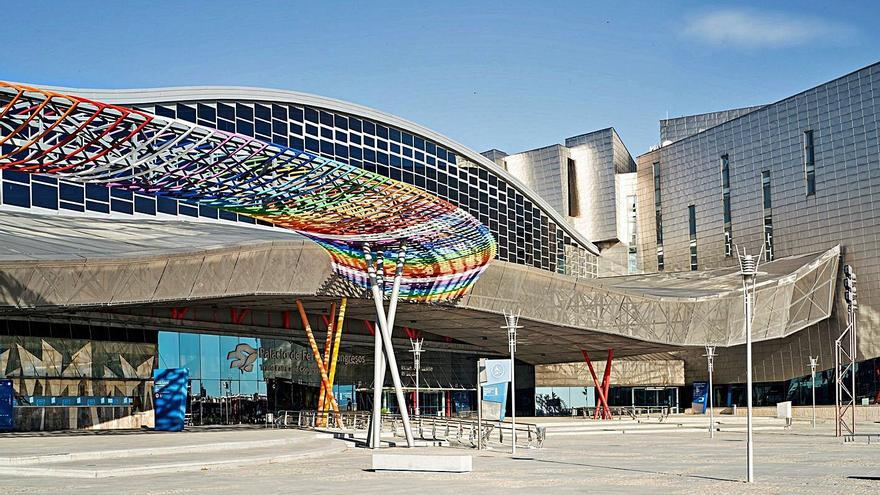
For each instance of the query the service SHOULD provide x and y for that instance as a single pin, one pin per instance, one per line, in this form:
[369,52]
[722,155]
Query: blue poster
[495,371]
[7,393]
[170,391]
[496,395]
[701,397]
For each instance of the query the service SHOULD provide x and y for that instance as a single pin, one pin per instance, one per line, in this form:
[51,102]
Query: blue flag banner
[7,394]
[494,371]
[170,392]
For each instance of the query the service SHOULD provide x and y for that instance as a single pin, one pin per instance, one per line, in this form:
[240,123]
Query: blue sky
[508,75]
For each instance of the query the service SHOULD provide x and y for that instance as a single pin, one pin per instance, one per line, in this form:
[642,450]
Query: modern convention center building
[226,230]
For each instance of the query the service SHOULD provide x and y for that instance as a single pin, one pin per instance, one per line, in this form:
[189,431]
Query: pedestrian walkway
[84,455]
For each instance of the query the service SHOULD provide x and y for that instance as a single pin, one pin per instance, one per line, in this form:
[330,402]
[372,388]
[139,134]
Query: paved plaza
[661,459]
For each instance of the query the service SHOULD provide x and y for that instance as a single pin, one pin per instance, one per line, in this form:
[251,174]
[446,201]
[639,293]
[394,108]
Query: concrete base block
[414,462]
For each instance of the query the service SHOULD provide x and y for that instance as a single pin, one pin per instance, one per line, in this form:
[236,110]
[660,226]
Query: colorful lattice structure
[337,205]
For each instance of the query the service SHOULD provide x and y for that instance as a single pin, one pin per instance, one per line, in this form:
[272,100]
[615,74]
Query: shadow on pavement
[632,470]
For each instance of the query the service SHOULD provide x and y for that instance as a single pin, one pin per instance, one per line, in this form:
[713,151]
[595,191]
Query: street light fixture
[417,362]
[749,271]
[710,359]
[511,325]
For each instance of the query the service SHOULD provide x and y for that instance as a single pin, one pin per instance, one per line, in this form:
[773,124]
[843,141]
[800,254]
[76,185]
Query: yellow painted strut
[317,355]
[338,329]
[327,343]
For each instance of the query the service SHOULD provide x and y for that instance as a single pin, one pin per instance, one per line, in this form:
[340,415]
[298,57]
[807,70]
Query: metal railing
[462,431]
[637,412]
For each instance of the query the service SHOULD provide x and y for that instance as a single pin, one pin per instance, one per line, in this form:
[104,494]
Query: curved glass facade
[525,234]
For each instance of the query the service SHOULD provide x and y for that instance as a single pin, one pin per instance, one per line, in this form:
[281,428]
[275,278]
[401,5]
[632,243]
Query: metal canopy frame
[337,205]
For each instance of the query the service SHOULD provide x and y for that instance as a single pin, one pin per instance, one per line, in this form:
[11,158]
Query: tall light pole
[749,271]
[710,359]
[814,362]
[417,362]
[511,325]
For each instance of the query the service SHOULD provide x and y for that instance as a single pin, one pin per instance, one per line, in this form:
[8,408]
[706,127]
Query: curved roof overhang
[130,270]
[242,93]
[339,206]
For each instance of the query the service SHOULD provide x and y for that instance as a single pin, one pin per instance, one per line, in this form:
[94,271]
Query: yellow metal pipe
[338,341]
[327,343]
[317,355]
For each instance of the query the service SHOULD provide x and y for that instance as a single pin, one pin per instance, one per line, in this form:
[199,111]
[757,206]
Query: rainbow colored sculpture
[339,206]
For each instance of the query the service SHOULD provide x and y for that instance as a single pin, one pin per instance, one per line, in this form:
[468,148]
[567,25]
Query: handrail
[633,412]
[432,428]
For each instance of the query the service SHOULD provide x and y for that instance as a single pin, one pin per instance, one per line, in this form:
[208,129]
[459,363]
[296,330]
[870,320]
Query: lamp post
[710,359]
[417,362]
[749,271]
[814,362]
[511,325]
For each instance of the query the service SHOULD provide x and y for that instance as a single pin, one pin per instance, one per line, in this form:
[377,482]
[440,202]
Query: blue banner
[701,397]
[170,392]
[494,371]
[496,394]
[7,394]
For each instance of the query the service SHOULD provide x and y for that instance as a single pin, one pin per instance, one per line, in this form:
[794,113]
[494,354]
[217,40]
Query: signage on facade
[701,397]
[170,391]
[286,359]
[7,394]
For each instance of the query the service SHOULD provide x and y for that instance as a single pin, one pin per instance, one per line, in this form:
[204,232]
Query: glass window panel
[209,351]
[169,350]
[190,354]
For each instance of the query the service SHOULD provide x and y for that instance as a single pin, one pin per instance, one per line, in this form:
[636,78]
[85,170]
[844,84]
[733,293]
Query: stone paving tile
[799,461]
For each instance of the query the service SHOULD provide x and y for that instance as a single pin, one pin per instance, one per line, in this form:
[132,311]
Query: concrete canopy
[136,272]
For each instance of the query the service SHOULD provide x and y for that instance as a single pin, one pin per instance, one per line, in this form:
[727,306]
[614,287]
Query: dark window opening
[809,163]
[573,203]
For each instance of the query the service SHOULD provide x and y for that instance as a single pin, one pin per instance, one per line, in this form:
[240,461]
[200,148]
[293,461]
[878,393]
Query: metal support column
[385,322]
[606,383]
[600,389]
[337,341]
[325,380]
[845,361]
[328,342]
[378,366]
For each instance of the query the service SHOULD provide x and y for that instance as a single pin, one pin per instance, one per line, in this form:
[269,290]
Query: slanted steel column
[600,388]
[327,343]
[338,340]
[317,355]
[606,384]
[378,364]
[385,328]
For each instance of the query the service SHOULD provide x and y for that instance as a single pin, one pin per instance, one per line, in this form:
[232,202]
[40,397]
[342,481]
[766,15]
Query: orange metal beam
[338,341]
[325,380]
[327,343]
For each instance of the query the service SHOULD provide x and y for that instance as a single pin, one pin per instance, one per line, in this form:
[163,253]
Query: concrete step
[245,454]
[29,459]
